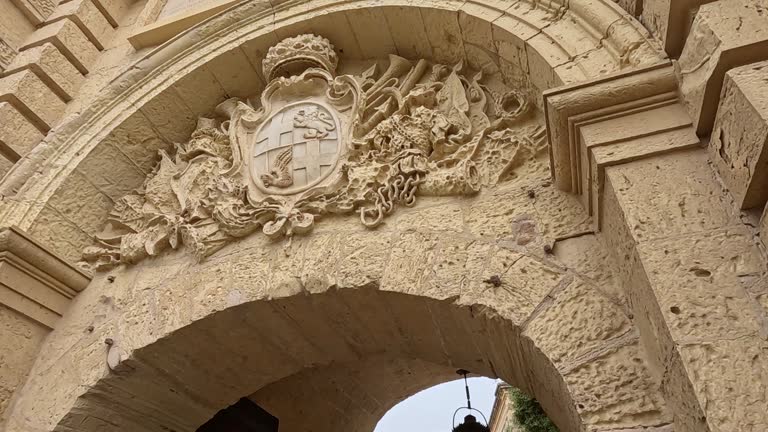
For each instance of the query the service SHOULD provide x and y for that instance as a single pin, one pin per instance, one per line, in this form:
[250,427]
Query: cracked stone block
[725,34]
[739,141]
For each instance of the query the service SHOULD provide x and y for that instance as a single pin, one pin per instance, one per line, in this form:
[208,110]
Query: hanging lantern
[470,422]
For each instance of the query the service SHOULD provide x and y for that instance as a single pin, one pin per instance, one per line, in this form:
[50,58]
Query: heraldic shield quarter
[295,149]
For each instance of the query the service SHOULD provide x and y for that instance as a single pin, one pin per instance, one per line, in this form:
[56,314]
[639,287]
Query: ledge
[34,281]
[594,124]
[164,29]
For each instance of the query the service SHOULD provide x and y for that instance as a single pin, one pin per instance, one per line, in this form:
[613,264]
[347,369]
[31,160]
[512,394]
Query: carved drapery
[319,144]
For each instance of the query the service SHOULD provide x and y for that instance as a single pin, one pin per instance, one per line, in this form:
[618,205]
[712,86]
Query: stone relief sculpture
[319,144]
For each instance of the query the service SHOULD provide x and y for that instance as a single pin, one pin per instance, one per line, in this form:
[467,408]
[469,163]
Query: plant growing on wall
[529,414]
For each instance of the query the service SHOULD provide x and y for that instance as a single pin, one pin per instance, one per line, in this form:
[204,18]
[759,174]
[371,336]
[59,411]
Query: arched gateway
[326,206]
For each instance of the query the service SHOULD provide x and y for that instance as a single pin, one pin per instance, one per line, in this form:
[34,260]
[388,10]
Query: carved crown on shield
[298,53]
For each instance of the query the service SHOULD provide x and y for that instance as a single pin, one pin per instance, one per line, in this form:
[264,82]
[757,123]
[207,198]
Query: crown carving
[296,54]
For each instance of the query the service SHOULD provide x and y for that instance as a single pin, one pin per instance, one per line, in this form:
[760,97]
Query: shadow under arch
[181,380]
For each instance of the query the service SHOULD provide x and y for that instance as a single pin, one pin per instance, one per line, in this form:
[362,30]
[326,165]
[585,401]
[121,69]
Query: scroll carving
[319,144]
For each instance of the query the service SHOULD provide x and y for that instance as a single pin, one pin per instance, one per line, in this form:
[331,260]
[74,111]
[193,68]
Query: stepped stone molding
[33,281]
[609,121]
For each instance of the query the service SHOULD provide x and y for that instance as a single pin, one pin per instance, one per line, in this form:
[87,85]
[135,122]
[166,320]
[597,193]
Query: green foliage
[529,414]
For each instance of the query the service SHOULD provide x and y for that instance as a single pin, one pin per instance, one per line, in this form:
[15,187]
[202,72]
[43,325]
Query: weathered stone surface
[21,338]
[731,382]
[88,18]
[52,67]
[70,40]
[670,21]
[27,92]
[616,390]
[565,329]
[18,135]
[653,209]
[697,282]
[724,35]
[739,144]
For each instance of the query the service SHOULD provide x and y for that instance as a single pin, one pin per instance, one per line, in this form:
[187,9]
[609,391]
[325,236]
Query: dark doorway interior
[243,416]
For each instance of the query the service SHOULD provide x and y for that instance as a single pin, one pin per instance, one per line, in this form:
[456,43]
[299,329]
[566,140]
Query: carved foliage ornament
[318,144]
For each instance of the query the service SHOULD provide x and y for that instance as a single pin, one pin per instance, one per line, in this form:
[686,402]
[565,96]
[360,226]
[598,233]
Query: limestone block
[670,21]
[730,379]
[70,40]
[110,171]
[113,10]
[725,34]
[77,194]
[37,11]
[201,92]
[586,256]
[88,18]
[21,338]
[52,67]
[616,391]
[60,234]
[138,140]
[669,195]
[566,330]
[408,34]
[18,135]
[236,74]
[170,116]
[739,144]
[28,93]
[698,284]
[15,26]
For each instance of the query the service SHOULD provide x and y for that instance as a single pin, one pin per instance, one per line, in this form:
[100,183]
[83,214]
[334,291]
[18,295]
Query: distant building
[503,414]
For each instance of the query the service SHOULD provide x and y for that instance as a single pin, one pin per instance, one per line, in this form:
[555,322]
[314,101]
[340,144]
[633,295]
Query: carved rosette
[319,144]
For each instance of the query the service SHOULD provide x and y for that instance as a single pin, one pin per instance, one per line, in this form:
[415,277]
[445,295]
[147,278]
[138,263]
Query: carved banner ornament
[318,144]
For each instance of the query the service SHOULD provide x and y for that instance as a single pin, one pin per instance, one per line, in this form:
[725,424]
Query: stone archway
[556,325]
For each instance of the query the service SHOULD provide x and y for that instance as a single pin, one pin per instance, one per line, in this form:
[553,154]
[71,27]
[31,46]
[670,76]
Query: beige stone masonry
[37,11]
[33,281]
[113,10]
[18,135]
[725,34]
[168,27]
[50,65]
[739,143]
[689,263]
[88,18]
[594,125]
[36,288]
[70,40]
[25,91]
[670,21]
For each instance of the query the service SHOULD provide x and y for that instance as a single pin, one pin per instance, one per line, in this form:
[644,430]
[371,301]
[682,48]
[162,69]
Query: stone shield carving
[318,144]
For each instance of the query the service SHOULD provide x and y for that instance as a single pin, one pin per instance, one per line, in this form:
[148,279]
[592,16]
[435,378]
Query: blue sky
[430,410]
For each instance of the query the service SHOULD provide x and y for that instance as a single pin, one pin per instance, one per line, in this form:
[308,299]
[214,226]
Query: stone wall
[639,259]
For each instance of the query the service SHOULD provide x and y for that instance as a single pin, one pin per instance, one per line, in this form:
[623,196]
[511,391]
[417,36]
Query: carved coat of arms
[314,144]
